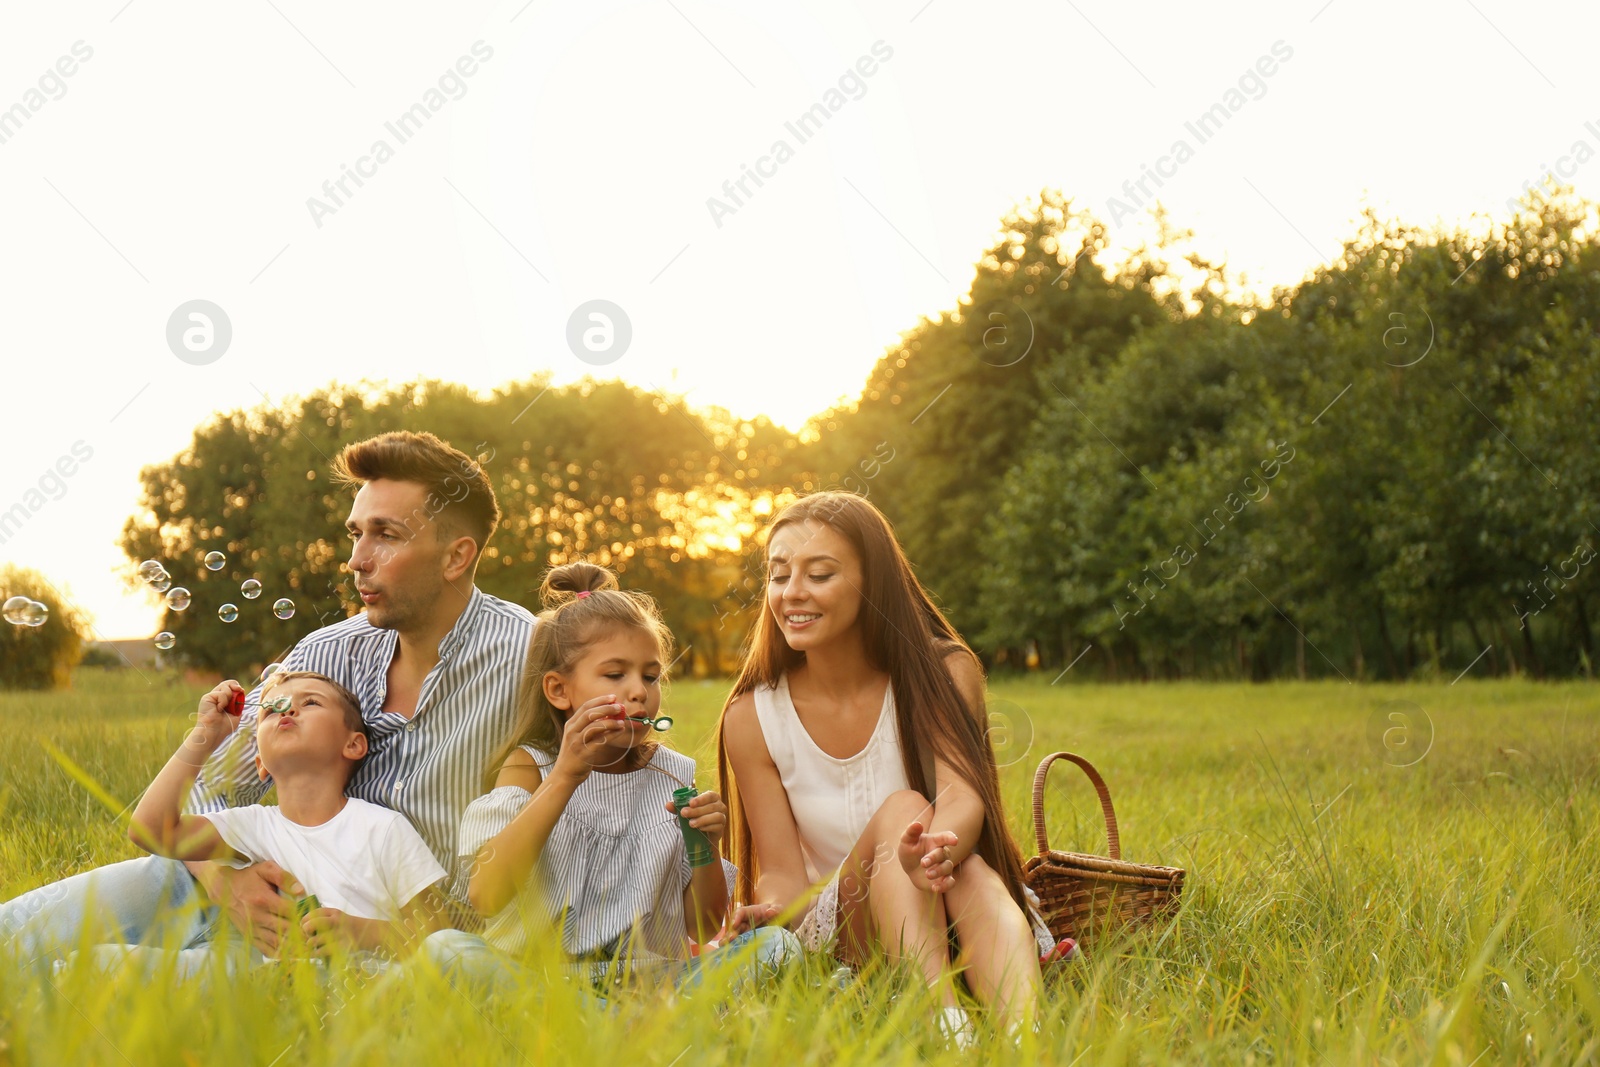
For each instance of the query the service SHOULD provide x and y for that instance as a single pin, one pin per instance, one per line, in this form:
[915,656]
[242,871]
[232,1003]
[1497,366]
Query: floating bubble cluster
[153,574]
[22,611]
[13,610]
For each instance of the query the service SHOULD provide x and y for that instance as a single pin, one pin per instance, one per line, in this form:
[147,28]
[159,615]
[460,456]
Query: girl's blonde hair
[582,604]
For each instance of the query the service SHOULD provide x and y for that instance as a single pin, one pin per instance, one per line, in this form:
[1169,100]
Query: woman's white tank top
[832,799]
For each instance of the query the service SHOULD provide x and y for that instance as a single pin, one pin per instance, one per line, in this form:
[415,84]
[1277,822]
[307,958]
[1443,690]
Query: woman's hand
[586,739]
[745,917]
[708,813]
[926,859]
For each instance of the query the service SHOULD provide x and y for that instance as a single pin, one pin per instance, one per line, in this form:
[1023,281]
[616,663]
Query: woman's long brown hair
[906,635]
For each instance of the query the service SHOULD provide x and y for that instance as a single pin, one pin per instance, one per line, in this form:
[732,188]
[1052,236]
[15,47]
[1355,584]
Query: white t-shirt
[366,861]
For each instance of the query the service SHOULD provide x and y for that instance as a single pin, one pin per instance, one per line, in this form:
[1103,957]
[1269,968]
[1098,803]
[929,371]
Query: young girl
[578,822]
[854,754]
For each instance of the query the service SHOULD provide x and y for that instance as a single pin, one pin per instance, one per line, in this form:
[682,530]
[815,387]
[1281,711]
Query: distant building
[137,653]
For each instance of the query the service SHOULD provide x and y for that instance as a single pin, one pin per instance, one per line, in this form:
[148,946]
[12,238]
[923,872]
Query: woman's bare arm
[773,832]
[957,807]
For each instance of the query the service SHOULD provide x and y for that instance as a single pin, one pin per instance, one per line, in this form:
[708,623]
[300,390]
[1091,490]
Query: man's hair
[458,491]
[352,705]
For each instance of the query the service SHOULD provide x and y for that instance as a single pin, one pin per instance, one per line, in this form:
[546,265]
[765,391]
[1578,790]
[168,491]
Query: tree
[596,470]
[955,401]
[39,657]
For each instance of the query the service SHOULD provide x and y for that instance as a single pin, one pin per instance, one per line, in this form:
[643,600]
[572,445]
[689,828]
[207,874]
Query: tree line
[1127,469]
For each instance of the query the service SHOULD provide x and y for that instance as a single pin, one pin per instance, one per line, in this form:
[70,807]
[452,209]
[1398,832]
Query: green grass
[1338,908]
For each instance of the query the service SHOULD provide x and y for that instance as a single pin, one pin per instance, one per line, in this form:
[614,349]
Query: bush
[101,656]
[38,657]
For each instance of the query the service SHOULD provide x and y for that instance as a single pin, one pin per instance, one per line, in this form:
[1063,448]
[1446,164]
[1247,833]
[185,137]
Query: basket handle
[1099,787]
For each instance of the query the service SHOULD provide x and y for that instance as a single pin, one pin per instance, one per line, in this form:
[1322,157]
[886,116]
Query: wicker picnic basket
[1083,896]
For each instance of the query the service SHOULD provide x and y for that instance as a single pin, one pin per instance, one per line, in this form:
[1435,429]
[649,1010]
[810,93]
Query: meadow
[1361,889]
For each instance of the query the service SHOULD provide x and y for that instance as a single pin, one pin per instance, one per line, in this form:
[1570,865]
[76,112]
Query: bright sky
[575,161]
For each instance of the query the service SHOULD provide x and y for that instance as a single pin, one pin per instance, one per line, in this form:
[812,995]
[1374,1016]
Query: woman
[856,703]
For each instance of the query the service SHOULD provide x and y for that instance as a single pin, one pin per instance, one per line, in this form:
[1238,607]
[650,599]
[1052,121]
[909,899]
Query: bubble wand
[660,724]
[236,706]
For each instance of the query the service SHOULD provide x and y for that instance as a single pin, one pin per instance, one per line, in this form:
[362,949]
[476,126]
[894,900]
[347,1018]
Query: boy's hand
[925,857]
[213,722]
[588,730]
[328,930]
[708,813]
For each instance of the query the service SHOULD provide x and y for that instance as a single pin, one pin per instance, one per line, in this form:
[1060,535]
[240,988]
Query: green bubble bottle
[695,841]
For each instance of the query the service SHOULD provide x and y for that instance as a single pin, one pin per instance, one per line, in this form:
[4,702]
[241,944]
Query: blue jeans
[183,964]
[145,912]
[143,901]
[471,962]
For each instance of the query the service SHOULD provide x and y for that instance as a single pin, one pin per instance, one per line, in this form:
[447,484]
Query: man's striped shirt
[428,767]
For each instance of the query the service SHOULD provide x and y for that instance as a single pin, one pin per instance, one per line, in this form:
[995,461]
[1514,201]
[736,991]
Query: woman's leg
[879,904]
[998,948]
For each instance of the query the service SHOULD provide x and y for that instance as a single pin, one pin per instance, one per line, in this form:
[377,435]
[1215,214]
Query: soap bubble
[215,561]
[151,571]
[35,614]
[250,589]
[163,585]
[165,640]
[268,671]
[283,609]
[15,610]
[662,724]
[178,599]
[228,612]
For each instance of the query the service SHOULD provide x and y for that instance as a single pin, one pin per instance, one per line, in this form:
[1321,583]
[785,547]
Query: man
[434,661]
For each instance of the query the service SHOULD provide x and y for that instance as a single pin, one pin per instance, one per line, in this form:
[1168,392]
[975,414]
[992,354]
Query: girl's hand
[925,857]
[708,813]
[586,741]
[212,719]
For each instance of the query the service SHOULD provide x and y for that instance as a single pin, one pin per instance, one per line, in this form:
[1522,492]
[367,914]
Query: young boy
[367,868]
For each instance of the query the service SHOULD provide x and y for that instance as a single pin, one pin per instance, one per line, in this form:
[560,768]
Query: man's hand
[252,900]
[925,857]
